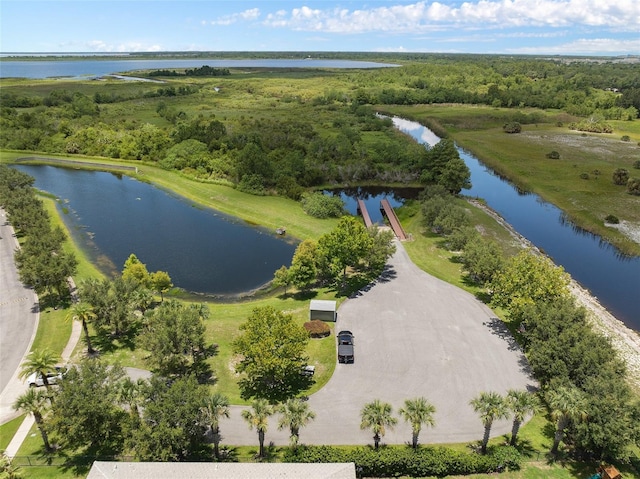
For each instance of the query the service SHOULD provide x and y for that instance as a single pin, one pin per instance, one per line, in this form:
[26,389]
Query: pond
[599,267]
[203,251]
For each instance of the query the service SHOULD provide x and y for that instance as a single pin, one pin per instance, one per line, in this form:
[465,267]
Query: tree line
[203,71]
[582,378]
[42,260]
[334,136]
[97,410]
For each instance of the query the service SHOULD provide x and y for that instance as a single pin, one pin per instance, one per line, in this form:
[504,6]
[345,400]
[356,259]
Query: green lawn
[8,430]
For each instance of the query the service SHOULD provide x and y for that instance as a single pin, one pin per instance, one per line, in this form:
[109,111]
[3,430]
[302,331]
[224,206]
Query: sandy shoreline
[624,339]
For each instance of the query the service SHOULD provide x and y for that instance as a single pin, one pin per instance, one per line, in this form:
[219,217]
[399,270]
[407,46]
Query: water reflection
[203,251]
[371,196]
[596,264]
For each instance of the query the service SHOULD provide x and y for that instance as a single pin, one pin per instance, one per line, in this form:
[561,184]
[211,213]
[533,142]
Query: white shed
[323,310]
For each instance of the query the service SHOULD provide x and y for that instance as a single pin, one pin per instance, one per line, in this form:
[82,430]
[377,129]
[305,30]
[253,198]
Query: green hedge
[403,461]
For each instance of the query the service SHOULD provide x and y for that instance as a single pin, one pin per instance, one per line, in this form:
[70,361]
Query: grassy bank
[222,327]
[270,212]
[579,182]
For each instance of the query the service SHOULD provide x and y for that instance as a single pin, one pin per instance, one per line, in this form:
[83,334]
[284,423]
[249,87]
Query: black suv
[345,347]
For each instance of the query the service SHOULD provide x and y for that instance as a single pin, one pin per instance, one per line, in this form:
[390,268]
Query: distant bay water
[92,67]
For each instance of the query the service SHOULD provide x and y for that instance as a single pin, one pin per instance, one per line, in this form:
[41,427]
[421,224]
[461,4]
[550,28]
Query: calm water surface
[371,196]
[613,278]
[95,68]
[202,250]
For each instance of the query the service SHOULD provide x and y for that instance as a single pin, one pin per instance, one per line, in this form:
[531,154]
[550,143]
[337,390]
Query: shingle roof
[220,470]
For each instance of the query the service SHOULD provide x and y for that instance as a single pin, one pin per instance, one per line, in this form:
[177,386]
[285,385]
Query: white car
[35,379]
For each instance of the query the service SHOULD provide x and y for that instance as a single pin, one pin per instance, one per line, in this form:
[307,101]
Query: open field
[522,159]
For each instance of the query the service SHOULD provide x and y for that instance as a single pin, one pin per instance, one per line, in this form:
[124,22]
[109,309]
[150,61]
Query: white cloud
[423,15]
[584,46]
[399,49]
[101,46]
[247,15]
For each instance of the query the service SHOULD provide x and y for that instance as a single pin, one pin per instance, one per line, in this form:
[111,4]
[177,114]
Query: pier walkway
[362,209]
[393,219]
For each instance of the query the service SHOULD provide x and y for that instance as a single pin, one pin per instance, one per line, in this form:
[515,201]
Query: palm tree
[131,394]
[295,414]
[83,312]
[490,406]
[377,415]
[35,402]
[216,407]
[567,404]
[521,403]
[8,470]
[417,412]
[40,361]
[258,417]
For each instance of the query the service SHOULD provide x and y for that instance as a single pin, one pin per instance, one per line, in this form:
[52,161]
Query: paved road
[414,336]
[18,320]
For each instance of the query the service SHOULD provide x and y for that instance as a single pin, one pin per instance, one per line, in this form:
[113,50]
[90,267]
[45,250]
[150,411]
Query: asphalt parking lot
[414,336]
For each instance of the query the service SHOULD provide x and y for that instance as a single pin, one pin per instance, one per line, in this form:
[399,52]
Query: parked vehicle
[345,347]
[308,370]
[53,377]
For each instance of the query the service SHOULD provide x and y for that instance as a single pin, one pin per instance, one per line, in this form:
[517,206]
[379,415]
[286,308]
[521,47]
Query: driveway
[18,320]
[414,336]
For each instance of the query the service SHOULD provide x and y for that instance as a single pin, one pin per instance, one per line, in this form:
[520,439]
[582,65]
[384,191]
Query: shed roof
[322,305]
[219,470]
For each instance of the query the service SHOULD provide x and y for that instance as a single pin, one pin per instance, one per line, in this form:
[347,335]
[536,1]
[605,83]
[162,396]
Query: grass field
[579,182]
[8,430]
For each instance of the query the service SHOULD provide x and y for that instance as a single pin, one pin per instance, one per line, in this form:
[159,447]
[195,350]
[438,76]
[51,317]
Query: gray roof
[322,305]
[220,470]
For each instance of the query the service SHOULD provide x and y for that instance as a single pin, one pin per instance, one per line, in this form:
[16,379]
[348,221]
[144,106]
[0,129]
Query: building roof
[220,470]
[322,305]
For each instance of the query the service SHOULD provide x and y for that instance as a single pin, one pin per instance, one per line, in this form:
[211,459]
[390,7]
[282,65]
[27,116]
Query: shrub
[317,328]
[252,184]
[553,155]
[611,219]
[636,164]
[459,238]
[620,176]
[633,186]
[625,138]
[584,176]
[402,461]
[592,126]
[512,127]
[323,206]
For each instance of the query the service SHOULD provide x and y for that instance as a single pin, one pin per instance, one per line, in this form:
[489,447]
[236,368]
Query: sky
[536,27]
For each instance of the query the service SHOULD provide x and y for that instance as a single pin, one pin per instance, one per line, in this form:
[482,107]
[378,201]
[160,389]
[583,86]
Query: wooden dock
[362,209]
[393,219]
